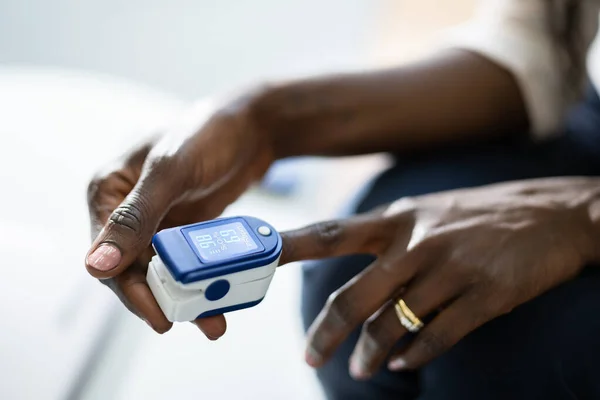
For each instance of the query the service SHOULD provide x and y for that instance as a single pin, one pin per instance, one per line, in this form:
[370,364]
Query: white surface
[185,303]
[191,48]
[50,323]
[54,130]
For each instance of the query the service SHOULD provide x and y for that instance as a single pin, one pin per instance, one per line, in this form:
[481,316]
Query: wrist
[240,111]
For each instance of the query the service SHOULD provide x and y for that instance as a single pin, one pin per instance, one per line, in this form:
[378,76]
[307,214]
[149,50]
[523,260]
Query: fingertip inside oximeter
[213,267]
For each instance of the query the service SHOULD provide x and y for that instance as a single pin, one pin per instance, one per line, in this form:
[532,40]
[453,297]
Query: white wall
[187,47]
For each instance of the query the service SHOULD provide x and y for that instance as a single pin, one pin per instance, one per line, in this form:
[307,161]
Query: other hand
[465,256]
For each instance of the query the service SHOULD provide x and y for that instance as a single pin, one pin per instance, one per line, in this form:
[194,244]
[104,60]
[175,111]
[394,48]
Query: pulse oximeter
[213,267]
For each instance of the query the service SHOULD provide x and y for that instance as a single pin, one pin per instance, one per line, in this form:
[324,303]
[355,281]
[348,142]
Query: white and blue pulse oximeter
[213,267]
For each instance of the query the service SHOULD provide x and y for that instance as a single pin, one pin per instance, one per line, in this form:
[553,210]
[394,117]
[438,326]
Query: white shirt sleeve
[517,35]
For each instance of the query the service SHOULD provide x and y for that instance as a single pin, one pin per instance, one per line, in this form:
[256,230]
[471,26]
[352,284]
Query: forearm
[454,96]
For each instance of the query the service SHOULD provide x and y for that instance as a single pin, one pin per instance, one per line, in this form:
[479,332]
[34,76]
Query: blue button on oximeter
[213,267]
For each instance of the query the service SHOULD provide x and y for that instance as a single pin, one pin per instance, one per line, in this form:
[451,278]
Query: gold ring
[407,318]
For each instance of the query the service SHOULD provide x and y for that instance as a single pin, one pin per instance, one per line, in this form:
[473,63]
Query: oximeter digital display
[222,242]
[213,267]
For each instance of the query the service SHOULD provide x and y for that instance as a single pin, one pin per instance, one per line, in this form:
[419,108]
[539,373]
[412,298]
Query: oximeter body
[213,267]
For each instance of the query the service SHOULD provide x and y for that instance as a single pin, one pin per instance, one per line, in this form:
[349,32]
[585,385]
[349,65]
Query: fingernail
[397,364]
[210,337]
[312,357]
[104,258]
[357,371]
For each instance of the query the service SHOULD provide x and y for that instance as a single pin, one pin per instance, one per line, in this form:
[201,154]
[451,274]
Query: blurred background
[82,80]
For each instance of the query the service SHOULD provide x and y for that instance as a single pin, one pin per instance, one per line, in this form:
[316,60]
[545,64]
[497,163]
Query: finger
[363,234]
[132,224]
[133,291]
[106,191]
[352,304]
[213,327]
[378,336]
[444,331]
[381,332]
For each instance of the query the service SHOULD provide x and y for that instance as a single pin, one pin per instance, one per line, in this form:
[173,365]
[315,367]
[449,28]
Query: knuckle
[130,216]
[485,307]
[371,329]
[340,309]
[378,333]
[328,234]
[403,206]
[172,170]
[159,163]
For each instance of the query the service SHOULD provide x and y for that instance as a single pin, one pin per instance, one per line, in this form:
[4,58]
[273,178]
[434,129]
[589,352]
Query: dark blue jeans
[548,348]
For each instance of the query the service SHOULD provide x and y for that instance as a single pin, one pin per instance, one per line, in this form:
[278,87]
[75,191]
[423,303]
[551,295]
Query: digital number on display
[221,242]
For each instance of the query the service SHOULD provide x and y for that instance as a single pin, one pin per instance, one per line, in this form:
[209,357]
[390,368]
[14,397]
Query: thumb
[130,227]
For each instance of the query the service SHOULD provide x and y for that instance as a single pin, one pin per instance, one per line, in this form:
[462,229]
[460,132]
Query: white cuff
[529,55]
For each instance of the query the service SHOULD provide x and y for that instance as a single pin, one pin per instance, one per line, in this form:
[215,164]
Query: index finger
[363,234]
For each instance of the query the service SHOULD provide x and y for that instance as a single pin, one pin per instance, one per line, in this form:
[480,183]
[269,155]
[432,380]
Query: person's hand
[190,174]
[466,256]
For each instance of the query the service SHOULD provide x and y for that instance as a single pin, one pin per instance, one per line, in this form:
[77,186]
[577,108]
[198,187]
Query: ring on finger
[407,318]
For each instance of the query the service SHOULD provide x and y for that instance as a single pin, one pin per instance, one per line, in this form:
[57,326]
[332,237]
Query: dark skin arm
[454,96]
[209,159]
